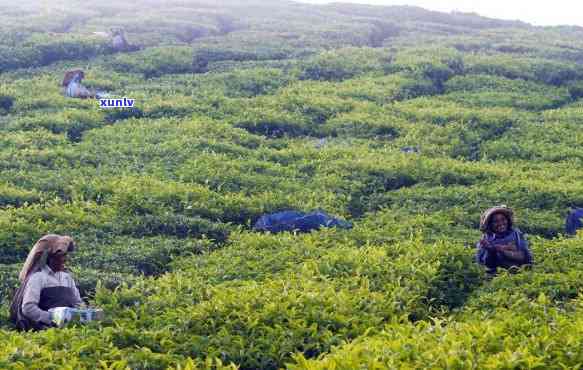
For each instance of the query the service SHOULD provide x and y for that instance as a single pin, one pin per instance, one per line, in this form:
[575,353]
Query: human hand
[485,244]
[505,248]
[51,319]
[61,315]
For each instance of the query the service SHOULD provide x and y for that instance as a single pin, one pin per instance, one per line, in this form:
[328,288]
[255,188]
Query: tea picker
[47,296]
[502,243]
[73,88]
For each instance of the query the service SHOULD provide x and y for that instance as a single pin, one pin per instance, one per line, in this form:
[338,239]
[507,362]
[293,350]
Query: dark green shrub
[203,57]
[155,61]
[346,63]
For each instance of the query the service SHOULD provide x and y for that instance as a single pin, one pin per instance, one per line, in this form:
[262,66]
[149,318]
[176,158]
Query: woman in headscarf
[72,85]
[118,40]
[45,284]
[502,244]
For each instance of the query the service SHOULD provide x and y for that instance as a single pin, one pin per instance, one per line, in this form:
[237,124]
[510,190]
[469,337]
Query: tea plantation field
[406,122]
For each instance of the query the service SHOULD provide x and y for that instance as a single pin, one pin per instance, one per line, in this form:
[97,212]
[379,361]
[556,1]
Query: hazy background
[543,13]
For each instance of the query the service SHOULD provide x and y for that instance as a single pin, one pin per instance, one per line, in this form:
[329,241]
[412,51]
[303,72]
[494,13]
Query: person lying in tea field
[502,244]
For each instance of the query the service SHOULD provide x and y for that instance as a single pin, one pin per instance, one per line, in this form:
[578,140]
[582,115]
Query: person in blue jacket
[502,244]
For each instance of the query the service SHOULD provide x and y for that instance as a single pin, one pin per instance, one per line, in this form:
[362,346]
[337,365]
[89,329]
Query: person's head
[57,261]
[75,75]
[58,248]
[49,250]
[497,220]
[499,223]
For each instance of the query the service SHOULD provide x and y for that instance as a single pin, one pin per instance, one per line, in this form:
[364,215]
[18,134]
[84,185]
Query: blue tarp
[298,221]
[573,222]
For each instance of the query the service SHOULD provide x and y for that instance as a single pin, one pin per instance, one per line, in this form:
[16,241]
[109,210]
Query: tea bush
[408,123]
[495,343]
[154,62]
[344,63]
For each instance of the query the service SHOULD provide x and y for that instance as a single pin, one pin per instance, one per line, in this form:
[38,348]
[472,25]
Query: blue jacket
[573,222]
[513,236]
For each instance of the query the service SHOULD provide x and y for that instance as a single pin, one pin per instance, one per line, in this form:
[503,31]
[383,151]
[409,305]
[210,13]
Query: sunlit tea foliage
[406,122]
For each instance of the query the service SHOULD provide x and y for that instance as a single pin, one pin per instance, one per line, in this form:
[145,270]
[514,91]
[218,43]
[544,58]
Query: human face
[57,262]
[499,223]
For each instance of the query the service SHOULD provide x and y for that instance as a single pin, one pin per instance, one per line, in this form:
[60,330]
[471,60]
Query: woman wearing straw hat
[502,244]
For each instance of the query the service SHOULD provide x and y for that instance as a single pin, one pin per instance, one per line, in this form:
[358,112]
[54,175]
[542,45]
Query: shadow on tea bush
[6,103]
[121,114]
[175,225]
[458,276]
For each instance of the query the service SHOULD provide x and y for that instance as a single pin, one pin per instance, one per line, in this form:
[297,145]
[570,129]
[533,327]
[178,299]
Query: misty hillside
[406,122]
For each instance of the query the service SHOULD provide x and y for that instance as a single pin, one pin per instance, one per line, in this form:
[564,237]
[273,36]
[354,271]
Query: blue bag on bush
[573,222]
[299,221]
